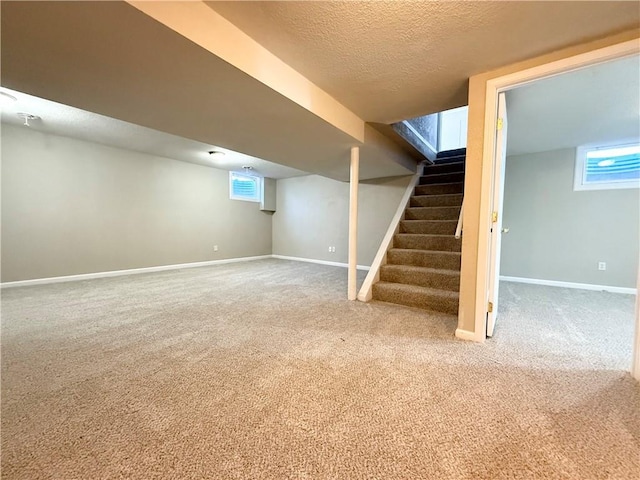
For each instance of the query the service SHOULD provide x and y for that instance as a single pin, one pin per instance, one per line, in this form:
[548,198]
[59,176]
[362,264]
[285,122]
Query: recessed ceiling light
[216,154]
[606,163]
[7,99]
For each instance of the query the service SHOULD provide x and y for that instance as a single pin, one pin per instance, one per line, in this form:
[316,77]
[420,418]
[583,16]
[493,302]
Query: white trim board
[555,283]
[320,262]
[131,271]
[465,335]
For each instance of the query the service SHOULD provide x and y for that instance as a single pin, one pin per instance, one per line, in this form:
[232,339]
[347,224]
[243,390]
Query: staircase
[423,267]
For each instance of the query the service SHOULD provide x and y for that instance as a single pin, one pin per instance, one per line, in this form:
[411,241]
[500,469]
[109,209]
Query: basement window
[244,187]
[607,167]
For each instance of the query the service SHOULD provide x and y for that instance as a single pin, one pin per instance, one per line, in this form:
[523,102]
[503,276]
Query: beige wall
[72,207]
[560,234]
[313,214]
[477,178]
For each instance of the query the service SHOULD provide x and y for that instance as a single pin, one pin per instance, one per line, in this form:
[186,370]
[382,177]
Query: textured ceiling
[393,60]
[109,58]
[72,122]
[598,104]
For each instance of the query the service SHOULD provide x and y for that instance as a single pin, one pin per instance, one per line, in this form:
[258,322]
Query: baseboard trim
[320,262]
[132,271]
[581,286]
[465,335]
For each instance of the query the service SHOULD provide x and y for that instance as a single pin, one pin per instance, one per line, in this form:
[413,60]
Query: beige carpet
[263,370]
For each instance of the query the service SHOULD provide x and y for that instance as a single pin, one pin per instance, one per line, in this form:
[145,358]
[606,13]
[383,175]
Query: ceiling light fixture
[6,99]
[26,117]
[216,154]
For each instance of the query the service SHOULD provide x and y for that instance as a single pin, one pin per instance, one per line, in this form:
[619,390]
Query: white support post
[352,290]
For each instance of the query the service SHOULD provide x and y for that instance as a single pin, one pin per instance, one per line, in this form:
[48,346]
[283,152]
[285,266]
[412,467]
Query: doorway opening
[545,248]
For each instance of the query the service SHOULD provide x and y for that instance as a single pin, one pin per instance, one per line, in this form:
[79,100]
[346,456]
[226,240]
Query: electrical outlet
[332,249]
[215,248]
[602,265]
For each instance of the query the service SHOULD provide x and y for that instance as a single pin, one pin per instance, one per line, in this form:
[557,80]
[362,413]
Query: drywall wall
[453,128]
[477,188]
[312,214]
[556,233]
[72,207]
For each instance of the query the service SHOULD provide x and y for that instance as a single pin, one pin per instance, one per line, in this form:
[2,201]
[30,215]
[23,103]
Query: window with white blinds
[244,187]
[607,166]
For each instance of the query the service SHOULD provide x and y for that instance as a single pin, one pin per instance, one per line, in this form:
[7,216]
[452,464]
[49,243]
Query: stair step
[442,178]
[435,227]
[439,188]
[421,276]
[453,167]
[424,258]
[439,243]
[456,152]
[432,213]
[415,296]
[445,200]
[447,160]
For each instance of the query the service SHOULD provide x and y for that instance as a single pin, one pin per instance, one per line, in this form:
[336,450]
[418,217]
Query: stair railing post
[353,223]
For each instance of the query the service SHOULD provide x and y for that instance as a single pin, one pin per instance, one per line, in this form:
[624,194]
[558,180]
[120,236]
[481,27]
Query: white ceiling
[72,122]
[392,60]
[598,104]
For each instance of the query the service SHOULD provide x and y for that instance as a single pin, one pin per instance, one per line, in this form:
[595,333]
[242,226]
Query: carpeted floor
[263,370]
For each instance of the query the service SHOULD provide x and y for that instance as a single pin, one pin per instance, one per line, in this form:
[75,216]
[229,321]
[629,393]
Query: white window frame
[580,170]
[258,181]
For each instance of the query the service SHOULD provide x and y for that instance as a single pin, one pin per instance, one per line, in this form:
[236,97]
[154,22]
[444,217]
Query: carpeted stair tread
[416,296]
[421,276]
[424,258]
[453,167]
[456,152]
[447,160]
[434,227]
[439,188]
[418,241]
[442,200]
[432,213]
[442,178]
[423,267]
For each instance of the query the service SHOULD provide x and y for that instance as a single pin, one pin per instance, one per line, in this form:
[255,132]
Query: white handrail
[459,226]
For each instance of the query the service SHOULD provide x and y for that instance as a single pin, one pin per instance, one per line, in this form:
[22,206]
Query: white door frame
[504,83]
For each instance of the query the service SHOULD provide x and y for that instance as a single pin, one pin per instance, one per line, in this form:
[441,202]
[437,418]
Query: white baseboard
[320,262]
[582,286]
[132,271]
[465,335]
